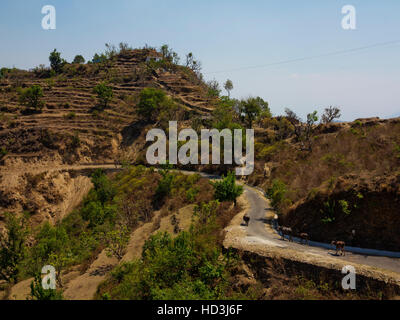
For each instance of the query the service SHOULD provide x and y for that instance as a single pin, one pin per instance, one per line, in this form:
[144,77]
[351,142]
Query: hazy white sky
[230,34]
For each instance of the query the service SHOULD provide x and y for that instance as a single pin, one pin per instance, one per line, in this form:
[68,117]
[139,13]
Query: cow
[246,219]
[304,238]
[285,231]
[339,247]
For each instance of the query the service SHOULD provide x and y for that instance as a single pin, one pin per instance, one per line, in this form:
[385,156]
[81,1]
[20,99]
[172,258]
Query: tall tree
[330,114]
[251,108]
[56,62]
[228,87]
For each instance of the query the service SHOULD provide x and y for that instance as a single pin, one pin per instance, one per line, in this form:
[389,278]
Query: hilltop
[72,127]
[69,128]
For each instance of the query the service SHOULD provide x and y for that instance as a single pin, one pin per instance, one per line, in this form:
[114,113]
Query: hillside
[76,162]
[70,107]
[71,128]
[349,180]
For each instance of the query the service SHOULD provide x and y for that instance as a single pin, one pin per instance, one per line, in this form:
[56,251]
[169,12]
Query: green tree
[277,192]
[151,101]
[99,58]
[308,130]
[228,87]
[79,59]
[226,189]
[213,89]
[50,241]
[224,114]
[104,94]
[61,260]
[56,62]
[30,97]
[251,108]
[12,247]
[116,241]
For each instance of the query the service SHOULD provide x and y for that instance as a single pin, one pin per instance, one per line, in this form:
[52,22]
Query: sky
[242,40]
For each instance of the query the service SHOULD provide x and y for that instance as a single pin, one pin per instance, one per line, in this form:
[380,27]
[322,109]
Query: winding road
[260,230]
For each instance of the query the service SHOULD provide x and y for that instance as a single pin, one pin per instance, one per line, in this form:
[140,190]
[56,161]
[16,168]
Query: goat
[246,219]
[304,238]
[285,231]
[339,247]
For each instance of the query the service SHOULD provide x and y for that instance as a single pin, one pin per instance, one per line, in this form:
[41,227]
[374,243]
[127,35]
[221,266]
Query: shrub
[12,247]
[103,186]
[397,151]
[99,58]
[39,293]
[104,94]
[116,242]
[164,185]
[226,189]
[3,152]
[79,59]
[151,101]
[277,192]
[30,97]
[70,115]
[75,142]
[251,108]
[344,205]
[56,62]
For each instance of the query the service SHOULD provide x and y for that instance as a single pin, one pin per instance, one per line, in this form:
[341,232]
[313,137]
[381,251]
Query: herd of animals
[304,237]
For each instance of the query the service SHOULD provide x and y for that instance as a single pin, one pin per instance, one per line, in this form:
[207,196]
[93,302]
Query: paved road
[259,230]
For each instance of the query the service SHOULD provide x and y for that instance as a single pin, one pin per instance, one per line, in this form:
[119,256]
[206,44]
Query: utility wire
[309,58]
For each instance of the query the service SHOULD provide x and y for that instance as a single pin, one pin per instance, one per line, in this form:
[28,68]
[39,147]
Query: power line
[309,58]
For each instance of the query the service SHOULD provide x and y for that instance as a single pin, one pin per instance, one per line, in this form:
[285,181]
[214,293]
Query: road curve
[260,230]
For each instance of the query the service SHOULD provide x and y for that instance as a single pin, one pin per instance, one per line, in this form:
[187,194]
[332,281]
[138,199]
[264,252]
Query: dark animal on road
[285,231]
[304,238]
[246,219]
[339,247]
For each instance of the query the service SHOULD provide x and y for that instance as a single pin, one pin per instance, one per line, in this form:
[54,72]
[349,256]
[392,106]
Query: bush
[12,247]
[277,192]
[30,97]
[151,101]
[251,108]
[56,63]
[39,293]
[3,152]
[226,189]
[70,115]
[79,59]
[104,94]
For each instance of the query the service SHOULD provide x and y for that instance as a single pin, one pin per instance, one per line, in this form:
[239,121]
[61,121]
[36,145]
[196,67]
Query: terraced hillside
[69,112]
[71,129]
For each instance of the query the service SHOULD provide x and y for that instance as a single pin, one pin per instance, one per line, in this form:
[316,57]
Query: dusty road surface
[260,231]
